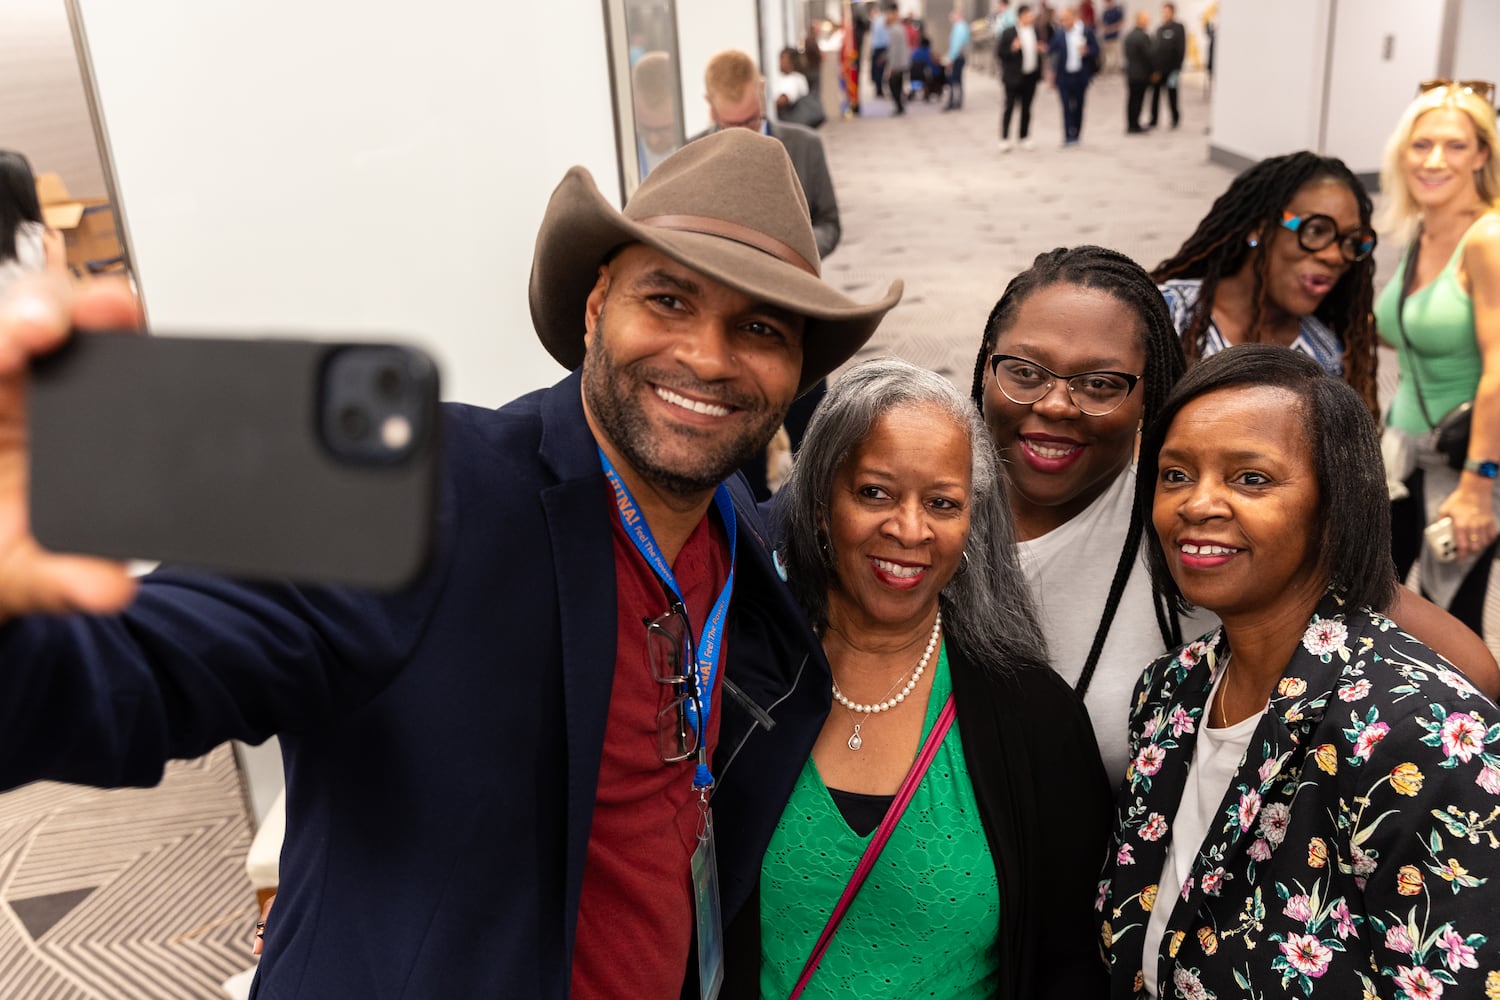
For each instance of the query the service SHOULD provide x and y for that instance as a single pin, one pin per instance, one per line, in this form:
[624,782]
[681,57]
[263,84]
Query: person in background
[812,58]
[1111,29]
[795,101]
[1004,16]
[653,94]
[1073,53]
[880,42]
[928,78]
[1021,52]
[896,537]
[958,54]
[1311,790]
[27,243]
[1139,66]
[1441,312]
[1168,53]
[1284,256]
[897,57]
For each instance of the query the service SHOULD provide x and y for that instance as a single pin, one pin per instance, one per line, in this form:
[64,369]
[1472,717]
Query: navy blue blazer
[442,745]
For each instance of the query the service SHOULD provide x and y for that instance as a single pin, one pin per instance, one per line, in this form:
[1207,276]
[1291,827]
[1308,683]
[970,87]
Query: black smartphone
[309,461]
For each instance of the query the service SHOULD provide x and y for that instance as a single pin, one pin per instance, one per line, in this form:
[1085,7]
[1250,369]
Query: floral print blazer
[1357,854]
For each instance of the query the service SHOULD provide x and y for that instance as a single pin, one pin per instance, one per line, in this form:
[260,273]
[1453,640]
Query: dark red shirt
[635,917]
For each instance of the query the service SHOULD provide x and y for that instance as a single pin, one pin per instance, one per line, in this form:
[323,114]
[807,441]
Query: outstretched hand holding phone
[35,318]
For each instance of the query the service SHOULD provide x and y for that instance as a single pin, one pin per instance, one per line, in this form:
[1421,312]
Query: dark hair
[794,56]
[18,202]
[1219,246]
[1125,280]
[1354,511]
[987,610]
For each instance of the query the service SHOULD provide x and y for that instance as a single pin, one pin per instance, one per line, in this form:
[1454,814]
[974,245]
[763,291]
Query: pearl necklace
[885,705]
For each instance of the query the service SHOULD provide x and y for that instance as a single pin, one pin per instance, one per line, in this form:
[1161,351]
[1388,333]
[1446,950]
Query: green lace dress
[926,922]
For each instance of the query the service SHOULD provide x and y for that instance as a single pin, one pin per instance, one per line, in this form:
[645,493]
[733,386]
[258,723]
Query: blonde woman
[1441,312]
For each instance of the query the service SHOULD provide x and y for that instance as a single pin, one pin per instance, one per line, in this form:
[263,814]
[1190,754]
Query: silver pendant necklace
[887,703]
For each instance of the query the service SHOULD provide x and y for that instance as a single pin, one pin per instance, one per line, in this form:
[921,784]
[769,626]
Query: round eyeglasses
[1318,232]
[1025,382]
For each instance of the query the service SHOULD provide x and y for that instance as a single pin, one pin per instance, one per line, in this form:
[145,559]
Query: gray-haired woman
[897,541]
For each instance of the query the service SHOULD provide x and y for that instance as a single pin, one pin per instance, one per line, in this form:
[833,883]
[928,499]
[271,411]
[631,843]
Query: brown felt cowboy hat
[729,206]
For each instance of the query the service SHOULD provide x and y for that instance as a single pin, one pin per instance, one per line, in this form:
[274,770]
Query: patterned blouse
[1314,338]
[1358,847]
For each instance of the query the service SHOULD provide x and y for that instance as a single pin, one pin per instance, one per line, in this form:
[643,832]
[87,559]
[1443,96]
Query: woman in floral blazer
[1354,851]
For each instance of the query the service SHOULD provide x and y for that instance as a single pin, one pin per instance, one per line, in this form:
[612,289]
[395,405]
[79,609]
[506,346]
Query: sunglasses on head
[1317,232]
[1484,89]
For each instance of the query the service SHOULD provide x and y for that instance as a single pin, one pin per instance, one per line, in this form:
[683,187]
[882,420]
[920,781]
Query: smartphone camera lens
[354,423]
[388,382]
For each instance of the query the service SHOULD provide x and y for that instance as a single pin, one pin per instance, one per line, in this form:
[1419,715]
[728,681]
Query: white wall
[1269,84]
[1369,90]
[1477,55]
[1268,77]
[705,27]
[43,111]
[379,169]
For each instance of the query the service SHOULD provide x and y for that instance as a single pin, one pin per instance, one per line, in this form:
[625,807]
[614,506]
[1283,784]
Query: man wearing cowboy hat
[499,779]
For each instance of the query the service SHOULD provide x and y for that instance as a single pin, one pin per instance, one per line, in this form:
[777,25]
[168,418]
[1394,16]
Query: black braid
[1124,279]
[1254,203]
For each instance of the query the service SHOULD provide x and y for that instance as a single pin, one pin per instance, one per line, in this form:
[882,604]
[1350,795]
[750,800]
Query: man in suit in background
[1074,54]
[736,99]
[1138,70]
[1169,51]
[1020,51]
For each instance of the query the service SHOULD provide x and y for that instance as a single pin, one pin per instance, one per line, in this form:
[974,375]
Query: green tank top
[926,921]
[1444,355]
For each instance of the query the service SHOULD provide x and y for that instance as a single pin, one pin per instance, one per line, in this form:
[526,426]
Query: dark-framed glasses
[1318,232]
[669,651]
[1484,89]
[1025,382]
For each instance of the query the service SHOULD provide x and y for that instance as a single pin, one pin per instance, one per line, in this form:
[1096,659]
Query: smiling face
[1443,154]
[684,378]
[1237,508]
[1060,459]
[1298,280]
[898,519]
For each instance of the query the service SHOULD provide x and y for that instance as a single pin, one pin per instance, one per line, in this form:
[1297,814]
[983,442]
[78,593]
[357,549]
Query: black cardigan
[1045,803]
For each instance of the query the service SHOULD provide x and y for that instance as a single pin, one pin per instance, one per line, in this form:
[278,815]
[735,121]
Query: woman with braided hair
[1282,257]
[1077,354]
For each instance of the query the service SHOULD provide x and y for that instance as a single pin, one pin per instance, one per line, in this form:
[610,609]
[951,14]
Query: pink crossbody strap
[877,843]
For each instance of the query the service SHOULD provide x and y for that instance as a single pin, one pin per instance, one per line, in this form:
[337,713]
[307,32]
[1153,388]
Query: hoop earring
[963,563]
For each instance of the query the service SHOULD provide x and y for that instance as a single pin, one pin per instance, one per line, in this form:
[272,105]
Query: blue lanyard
[710,640]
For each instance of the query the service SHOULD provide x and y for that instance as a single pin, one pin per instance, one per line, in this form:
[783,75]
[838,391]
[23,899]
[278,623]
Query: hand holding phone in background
[1441,539]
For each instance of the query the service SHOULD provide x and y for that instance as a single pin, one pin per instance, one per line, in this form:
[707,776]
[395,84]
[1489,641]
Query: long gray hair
[987,609]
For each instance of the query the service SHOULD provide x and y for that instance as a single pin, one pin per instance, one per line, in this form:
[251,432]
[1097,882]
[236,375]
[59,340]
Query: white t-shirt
[792,86]
[1070,569]
[1027,35]
[1217,754]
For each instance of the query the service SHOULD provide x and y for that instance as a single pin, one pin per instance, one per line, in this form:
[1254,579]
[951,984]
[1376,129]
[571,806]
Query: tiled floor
[142,893]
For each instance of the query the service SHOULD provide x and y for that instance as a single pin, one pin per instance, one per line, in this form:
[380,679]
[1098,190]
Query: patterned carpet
[135,893]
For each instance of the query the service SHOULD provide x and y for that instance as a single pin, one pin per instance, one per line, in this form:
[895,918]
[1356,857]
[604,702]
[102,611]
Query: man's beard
[612,394]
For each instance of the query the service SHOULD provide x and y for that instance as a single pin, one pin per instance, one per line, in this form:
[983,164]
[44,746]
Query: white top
[792,86]
[1076,44]
[1027,35]
[1217,755]
[1070,569]
[31,254]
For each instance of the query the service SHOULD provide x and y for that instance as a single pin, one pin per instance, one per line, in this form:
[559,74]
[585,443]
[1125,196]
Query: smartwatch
[1488,468]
